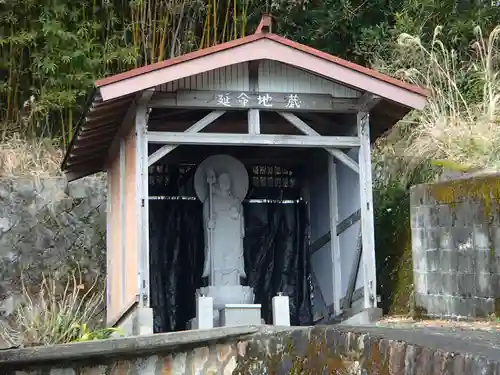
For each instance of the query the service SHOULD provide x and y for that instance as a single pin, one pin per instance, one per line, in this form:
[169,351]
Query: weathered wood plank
[259,100]
[228,139]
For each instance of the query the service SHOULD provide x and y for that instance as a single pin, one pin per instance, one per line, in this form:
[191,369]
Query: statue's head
[225,182]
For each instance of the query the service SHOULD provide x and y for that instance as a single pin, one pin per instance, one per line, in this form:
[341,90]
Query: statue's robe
[227,240]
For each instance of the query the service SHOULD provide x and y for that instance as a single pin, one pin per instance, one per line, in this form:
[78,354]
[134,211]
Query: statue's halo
[222,164]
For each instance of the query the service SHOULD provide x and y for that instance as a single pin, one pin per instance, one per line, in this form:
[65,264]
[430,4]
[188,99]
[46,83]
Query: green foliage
[86,334]
[51,51]
[393,247]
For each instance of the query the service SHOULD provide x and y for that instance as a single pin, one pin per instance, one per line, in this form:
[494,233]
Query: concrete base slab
[138,322]
[364,317]
[240,315]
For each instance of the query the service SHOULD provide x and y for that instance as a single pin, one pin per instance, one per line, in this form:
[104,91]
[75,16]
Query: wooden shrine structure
[261,97]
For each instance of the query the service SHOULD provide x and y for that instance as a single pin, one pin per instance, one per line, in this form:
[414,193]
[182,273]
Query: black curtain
[276,259]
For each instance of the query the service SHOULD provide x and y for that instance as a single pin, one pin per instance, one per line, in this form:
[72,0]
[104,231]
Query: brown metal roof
[94,135]
[252,38]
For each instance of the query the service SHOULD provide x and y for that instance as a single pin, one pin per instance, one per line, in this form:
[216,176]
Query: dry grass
[459,127]
[56,313]
[20,157]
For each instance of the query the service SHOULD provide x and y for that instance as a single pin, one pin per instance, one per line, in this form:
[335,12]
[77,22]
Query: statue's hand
[234,212]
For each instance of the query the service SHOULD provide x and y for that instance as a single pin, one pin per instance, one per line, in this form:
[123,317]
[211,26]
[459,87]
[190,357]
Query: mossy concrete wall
[456,247]
[261,350]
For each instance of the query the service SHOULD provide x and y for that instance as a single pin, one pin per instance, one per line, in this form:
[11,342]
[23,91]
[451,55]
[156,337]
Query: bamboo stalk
[161,47]
[226,18]
[215,21]
[235,23]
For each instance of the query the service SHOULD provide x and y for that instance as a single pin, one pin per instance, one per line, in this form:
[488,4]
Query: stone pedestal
[228,294]
[239,299]
[240,315]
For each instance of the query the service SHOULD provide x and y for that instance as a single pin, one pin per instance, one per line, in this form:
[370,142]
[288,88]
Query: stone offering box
[299,121]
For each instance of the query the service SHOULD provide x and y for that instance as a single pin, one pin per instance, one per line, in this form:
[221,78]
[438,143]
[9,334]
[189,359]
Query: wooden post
[123,241]
[334,238]
[366,200]
[142,196]
[253,121]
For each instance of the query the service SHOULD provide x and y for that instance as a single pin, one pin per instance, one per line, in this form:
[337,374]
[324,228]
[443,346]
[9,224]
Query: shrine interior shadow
[275,244]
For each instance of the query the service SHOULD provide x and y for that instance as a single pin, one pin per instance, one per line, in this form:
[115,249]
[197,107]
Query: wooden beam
[198,126]
[319,292]
[249,99]
[320,242]
[367,101]
[366,201]
[225,139]
[341,227]
[306,129]
[351,285]
[253,121]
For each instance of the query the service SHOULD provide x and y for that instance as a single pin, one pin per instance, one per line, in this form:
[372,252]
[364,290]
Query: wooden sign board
[227,100]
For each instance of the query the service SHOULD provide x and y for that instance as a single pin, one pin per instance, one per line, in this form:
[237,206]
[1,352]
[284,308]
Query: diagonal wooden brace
[306,129]
[197,127]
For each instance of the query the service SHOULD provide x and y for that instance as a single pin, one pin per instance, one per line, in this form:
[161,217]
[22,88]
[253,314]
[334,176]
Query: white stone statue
[221,183]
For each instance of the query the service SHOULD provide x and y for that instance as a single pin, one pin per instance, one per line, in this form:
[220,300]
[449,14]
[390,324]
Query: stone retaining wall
[456,247]
[48,226]
[264,350]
